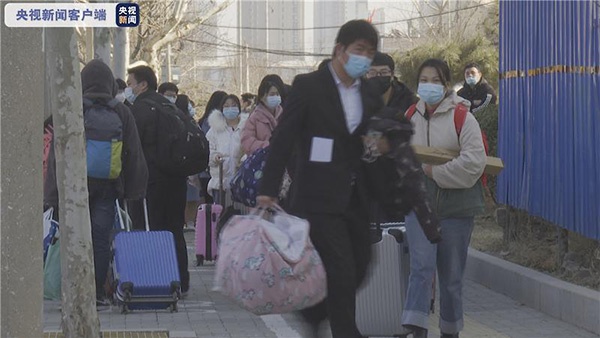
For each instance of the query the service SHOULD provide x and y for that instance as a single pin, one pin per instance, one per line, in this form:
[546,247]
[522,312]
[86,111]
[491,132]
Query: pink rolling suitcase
[206,226]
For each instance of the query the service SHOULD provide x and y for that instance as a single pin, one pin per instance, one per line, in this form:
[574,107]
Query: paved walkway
[208,314]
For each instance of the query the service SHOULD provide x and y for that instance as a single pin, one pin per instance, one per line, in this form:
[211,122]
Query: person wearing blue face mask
[263,120]
[324,119]
[476,89]
[224,142]
[456,194]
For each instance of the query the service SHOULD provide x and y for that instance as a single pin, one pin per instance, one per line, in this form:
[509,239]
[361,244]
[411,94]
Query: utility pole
[247,70]
[267,32]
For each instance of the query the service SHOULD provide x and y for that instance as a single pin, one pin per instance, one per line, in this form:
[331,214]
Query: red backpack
[460,115]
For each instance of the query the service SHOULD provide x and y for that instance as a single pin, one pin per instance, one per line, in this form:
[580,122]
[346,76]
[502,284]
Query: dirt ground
[536,248]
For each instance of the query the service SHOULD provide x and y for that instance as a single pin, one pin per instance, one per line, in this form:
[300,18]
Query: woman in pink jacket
[263,120]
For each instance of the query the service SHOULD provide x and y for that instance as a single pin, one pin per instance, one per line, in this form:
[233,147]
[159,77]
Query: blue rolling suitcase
[145,271]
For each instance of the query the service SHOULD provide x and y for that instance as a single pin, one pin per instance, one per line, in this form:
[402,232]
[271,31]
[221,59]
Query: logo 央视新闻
[128,15]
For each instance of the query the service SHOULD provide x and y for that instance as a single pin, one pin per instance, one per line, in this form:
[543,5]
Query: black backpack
[182,147]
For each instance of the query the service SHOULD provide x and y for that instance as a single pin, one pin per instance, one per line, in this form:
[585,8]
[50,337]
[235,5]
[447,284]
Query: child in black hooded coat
[389,135]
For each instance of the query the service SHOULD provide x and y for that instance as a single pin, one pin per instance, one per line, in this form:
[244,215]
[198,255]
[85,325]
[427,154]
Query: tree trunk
[102,44]
[121,53]
[79,315]
[21,103]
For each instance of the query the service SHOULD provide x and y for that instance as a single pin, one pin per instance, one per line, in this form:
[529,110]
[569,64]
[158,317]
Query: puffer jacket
[225,141]
[258,128]
[456,189]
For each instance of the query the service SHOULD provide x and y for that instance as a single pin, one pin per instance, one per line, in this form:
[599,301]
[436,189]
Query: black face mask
[382,83]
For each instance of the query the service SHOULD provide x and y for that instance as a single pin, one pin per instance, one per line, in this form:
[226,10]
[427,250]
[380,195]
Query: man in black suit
[323,121]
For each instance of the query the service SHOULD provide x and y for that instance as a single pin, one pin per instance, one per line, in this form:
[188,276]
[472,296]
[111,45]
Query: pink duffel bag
[271,266]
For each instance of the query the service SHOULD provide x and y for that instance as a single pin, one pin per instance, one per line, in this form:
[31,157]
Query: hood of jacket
[216,121]
[447,104]
[97,80]
[265,116]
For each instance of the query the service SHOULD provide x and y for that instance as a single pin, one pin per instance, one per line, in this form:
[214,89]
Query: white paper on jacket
[321,149]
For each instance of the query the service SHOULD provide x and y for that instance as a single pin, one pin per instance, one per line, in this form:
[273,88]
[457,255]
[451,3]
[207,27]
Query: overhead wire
[337,27]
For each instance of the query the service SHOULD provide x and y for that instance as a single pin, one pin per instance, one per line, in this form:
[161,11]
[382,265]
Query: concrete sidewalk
[208,314]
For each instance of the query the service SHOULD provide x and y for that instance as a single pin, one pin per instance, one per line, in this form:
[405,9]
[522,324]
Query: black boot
[449,335]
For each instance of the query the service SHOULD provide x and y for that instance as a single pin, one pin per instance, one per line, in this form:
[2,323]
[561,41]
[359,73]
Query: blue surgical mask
[120,97]
[129,94]
[273,101]
[231,112]
[191,110]
[471,80]
[357,65]
[171,99]
[431,93]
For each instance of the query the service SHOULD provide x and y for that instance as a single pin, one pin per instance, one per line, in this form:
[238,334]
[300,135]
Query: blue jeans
[450,256]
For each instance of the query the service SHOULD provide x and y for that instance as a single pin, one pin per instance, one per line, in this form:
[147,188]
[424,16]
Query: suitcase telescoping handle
[124,225]
[221,188]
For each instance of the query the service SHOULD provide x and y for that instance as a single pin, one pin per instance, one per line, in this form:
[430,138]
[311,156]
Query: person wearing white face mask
[224,142]
[456,194]
[166,195]
[476,89]
[169,90]
[121,86]
[263,120]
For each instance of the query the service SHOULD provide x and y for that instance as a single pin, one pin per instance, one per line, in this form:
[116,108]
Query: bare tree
[102,44]
[120,52]
[444,20]
[79,315]
[165,22]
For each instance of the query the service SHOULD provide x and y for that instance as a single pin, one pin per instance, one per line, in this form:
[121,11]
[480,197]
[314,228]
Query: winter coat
[147,123]
[98,84]
[258,128]
[456,189]
[225,141]
[401,97]
[400,176]
[481,92]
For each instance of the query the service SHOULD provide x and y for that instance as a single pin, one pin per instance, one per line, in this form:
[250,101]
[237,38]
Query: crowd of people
[316,130]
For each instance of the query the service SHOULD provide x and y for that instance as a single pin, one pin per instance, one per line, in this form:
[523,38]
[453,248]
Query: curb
[562,300]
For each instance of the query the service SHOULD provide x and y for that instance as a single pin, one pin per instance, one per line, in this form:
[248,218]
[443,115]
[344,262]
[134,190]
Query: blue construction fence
[549,114]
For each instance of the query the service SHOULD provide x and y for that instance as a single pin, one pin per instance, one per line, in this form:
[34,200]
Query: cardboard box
[435,156]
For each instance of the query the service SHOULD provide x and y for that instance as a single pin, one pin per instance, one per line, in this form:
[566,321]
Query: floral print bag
[269,266]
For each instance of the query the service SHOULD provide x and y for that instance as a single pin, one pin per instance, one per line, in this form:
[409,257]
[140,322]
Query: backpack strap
[87,102]
[113,103]
[460,116]
[410,112]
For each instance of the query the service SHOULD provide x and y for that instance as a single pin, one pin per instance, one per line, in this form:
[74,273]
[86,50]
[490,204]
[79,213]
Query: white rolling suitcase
[380,300]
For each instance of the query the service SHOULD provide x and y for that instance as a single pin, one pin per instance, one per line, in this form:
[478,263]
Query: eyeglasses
[374,73]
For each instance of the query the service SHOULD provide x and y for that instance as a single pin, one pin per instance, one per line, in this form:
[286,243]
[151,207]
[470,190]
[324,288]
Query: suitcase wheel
[173,306]
[199,260]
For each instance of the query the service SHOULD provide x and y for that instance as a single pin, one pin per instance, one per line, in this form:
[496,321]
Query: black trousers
[342,241]
[102,196]
[166,211]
